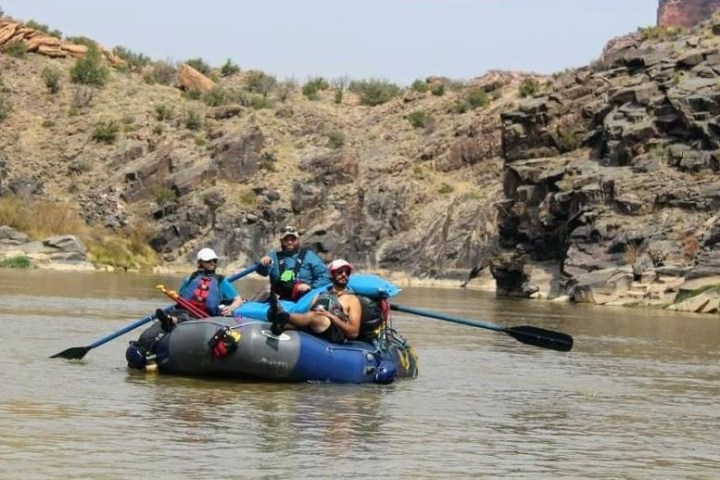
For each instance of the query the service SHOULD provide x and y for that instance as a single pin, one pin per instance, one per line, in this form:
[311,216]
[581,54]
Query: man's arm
[228,291]
[266,263]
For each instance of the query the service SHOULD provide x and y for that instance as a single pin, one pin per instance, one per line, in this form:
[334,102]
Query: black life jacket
[286,289]
[374,314]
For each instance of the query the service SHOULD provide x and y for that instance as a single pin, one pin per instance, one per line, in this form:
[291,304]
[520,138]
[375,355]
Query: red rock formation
[685,13]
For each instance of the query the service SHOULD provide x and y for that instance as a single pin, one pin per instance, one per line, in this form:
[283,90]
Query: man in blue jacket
[293,270]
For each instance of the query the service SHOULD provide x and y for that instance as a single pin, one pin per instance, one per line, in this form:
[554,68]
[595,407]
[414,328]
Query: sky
[394,40]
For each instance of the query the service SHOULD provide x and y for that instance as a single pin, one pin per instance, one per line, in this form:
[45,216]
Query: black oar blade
[540,337]
[74,353]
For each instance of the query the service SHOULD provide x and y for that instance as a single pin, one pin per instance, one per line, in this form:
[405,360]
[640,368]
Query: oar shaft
[440,316]
[79,352]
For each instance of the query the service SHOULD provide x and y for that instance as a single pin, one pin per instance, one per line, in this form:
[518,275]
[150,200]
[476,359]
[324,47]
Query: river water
[637,398]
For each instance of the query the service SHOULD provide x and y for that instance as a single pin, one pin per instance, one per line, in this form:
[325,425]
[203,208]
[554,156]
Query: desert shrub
[134,62]
[51,78]
[633,250]
[257,102]
[268,161]
[88,42]
[193,94]
[445,189]
[438,89]
[19,261]
[193,120]
[163,112]
[199,65]
[690,246]
[15,48]
[660,32]
[106,131]
[37,26]
[313,86]
[40,219]
[90,70]
[528,87]
[336,138]
[163,194]
[82,97]
[419,119]
[5,106]
[419,85]
[374,92]
[163,73]
[259,82]
[215,97]
[229,68]
[658,253]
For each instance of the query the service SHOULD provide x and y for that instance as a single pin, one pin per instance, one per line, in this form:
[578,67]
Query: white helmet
[207,255]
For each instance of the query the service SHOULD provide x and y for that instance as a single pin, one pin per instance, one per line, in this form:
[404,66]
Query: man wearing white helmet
[334,315]
[206,289]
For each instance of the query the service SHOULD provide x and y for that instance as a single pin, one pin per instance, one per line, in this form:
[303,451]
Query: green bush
[20,261]
[162,72]
[134,62]
[15,48]
[336,139]
[528,87]
[5,106]
[163,112]
[313,86]
[374,92]
[438,89]
[90,70]
[660,32]
[215,97]
[419,86]
[51,78]
[260,82]
[106,131]
[419,119]
[88,42]
[199,65]
[229,68]
[193,121]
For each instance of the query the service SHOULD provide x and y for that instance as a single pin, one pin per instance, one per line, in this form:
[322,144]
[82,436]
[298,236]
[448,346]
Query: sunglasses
[214,262]
[341,271]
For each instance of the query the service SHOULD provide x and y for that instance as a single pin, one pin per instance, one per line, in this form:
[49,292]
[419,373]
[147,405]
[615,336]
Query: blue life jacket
[203,290]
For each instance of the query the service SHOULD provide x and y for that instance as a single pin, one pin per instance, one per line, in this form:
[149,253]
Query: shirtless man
[334,314]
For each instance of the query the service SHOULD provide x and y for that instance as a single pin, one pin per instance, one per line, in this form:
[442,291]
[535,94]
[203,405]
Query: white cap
[207,254]
[338,264]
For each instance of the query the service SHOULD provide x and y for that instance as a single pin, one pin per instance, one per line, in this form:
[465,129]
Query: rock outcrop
[613,174]
[685,13]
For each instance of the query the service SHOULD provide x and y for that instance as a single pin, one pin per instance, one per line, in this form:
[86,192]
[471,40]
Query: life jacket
[373,312]
[286,283]
[203,290]
[374,315]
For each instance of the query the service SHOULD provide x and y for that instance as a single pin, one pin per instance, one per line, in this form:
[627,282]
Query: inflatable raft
[250,351]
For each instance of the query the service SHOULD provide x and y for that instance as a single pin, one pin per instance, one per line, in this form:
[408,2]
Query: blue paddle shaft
[440,316]
[167,309]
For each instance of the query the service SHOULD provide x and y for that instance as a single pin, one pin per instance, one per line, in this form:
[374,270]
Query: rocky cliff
[612,176]
[685,13]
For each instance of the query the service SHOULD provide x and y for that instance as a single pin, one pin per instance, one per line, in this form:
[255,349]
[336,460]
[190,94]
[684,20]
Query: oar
[193,309]
[538,337]
[80,352]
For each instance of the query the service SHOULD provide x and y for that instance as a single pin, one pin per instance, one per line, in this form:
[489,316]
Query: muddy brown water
[636,398]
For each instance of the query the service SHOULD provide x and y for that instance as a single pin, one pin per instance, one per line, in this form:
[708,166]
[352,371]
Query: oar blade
[73,353]
[540,337]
